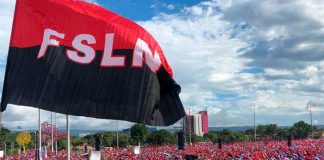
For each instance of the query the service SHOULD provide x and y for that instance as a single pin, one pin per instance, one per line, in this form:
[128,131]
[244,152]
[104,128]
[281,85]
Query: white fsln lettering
[89,53]
[83,53]
[107,59]
[153,61]
[47,41]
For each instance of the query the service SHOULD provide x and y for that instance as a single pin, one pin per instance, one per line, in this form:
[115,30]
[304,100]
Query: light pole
[311,117]
[190,126]
[5,148]
[55,134]
[117,135]
[52,133]
[68,138]
[12,146]
[35,140]
[39,151]
[0,132]
[0,121]
[254,123]
[183,129]
[19,128]
[310,105]
[35,145]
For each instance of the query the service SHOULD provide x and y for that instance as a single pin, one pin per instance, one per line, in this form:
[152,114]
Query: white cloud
[199,47]
[93,1]
[275,72]
[6,16]
[170,7]
[202,45]
[196,10]
[27,118]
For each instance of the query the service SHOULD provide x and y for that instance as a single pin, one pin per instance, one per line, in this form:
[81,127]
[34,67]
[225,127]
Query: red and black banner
[76,58]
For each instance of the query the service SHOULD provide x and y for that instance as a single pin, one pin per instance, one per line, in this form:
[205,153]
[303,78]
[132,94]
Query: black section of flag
[55,83]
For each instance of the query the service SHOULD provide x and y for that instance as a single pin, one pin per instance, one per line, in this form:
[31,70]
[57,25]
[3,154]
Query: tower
[204,119]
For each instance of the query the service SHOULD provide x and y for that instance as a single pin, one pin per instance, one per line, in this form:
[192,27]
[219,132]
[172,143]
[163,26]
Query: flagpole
[39,135]
[35,141]
[184,129]
[190,126]
[254,123]
[311,117]
[68,137]
[0,121]
[117,135]
[55,135]
[5,148]
[52,135]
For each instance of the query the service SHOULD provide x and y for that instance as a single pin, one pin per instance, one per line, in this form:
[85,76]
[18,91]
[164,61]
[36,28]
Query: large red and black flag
[76,58]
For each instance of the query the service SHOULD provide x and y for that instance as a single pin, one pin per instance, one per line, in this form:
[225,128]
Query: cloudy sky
[228,55]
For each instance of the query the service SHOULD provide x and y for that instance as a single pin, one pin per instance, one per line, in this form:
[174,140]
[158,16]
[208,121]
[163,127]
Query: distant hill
[244,128]
[81,133]
[234,128]
[320,126]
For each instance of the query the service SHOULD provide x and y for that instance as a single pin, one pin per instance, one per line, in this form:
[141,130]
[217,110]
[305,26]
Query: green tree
[282,133]
[212,136]
[123,140]
[227,136]
[4,135]
[89,139]
[300,129]
[267,130]
[162,137]
[151,138]
[261,130]
[139,133]
[196,138]
[238,136]
[250,134]
[249,131]
[79,141]
[271,129]
[225,132]
[61,144]
[108,139]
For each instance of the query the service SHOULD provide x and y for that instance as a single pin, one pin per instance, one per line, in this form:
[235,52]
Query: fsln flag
[77,58]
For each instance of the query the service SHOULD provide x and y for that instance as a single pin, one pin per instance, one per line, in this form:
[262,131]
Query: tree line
[139,133]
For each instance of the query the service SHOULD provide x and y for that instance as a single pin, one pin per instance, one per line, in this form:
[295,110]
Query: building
[204,118]
[196,123]
[188,124]
[318,134]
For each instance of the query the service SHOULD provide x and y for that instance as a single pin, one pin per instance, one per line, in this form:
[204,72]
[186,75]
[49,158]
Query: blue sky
[141,10]
[228,55]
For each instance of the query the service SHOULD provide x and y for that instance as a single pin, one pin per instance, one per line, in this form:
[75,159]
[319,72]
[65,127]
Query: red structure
[204,118]
[188,123]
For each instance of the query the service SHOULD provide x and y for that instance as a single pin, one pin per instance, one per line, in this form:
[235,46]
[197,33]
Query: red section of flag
[72,18]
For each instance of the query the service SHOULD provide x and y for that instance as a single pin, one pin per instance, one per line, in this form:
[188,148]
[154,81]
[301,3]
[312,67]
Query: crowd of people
[308,149]
[301,149]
